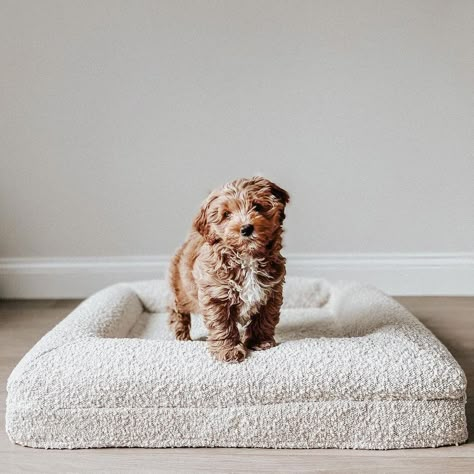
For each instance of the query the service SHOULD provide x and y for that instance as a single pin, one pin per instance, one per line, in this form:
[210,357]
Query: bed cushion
[353,369]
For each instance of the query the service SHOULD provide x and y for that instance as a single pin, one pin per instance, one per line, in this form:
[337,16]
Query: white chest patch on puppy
[252,293]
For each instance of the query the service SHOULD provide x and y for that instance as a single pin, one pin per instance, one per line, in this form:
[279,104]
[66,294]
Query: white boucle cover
[353,369]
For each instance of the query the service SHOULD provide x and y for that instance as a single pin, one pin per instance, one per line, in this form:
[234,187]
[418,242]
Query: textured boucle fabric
[353,369]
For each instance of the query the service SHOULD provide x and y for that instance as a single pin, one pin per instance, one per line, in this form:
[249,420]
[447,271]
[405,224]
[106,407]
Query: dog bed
[353,369]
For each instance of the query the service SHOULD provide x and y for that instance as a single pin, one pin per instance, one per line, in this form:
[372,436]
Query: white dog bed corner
[353,369]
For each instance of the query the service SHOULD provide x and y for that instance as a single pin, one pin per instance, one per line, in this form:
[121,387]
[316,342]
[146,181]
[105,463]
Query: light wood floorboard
[22,323]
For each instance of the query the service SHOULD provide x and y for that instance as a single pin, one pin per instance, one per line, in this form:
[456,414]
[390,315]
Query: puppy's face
[244,214]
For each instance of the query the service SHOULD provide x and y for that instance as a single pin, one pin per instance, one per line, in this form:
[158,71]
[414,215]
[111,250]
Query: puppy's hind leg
[180,324]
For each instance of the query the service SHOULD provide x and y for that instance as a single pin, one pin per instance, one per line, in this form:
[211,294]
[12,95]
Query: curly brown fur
[232,273]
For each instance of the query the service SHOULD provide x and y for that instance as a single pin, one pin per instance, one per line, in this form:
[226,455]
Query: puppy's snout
[246,230]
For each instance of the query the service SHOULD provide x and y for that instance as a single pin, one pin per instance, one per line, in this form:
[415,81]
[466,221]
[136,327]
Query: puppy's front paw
[231,354]
[183,336]
[255,345]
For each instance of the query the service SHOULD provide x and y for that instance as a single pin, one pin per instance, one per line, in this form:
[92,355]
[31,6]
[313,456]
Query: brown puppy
[230,268]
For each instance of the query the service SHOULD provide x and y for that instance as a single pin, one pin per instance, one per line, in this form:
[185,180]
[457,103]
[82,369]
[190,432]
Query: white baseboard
[397,274]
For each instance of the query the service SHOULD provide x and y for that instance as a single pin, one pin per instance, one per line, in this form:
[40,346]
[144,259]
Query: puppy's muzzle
[246,230]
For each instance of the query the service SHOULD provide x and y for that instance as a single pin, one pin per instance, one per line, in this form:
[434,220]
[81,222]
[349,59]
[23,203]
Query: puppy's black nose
[246,230]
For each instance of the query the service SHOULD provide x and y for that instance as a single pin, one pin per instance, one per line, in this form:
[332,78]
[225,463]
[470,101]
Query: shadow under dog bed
[353,369]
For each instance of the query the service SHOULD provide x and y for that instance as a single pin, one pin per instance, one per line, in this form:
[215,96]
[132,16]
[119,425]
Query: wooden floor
[22,323]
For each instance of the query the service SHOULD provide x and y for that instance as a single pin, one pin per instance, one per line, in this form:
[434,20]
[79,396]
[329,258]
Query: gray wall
[117,117]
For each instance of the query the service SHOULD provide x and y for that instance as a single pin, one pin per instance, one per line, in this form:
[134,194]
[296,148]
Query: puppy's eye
[257,207]
[226,214]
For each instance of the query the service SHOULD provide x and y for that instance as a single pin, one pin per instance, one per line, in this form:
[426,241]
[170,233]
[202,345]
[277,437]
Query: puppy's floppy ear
[279,193]
[201,222]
